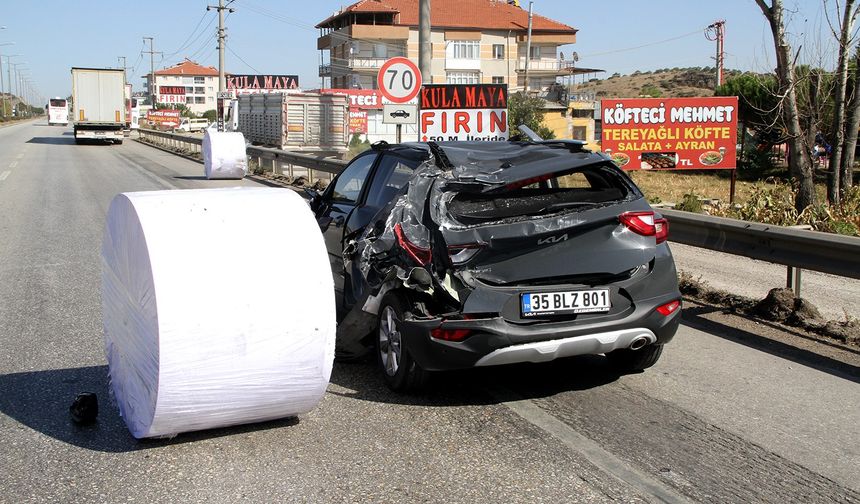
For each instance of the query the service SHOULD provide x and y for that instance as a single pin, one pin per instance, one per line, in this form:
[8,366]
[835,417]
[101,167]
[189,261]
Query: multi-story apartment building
[473,41]
[188,83]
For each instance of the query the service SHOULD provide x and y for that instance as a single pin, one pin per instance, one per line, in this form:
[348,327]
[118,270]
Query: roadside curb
[17,123]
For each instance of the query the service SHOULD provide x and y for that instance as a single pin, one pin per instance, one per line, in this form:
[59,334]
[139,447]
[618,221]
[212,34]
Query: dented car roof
[497,163]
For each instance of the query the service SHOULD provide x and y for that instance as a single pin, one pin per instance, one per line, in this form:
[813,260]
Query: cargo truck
[99,108]
[295,121]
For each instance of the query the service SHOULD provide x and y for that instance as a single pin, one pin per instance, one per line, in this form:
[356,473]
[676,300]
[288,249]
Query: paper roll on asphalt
[198,332]
[224,155]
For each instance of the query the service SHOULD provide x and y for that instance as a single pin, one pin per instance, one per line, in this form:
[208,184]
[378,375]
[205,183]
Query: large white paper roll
[224,155]
[195,336]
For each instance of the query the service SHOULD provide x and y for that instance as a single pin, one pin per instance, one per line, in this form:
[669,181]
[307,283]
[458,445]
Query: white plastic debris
[224,155]
[196,335]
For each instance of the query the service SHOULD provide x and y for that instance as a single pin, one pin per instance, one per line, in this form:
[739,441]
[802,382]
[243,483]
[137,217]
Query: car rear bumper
[495,341]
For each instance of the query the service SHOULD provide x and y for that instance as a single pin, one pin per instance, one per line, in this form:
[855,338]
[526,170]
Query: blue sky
[278,36]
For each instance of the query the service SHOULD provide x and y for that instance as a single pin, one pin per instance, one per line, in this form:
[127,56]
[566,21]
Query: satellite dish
[574,56]
[561,56]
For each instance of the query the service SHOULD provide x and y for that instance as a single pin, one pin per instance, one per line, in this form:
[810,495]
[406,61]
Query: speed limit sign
[399,80]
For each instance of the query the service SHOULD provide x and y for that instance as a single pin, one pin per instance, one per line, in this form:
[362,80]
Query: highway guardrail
[797,249]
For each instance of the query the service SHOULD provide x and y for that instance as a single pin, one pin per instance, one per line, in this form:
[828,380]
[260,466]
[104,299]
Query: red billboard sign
[671,133]
[463,112]
[166,118]
[359,99]
[357,121]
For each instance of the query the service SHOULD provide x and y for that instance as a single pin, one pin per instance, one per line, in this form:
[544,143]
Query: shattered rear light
[662,230]
[450,334]
[418,254]
[641,223]
[462,253]
[669,308]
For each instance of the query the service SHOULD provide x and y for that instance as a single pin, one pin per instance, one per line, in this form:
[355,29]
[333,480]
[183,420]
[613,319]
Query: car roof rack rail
[571,145]
[380,145]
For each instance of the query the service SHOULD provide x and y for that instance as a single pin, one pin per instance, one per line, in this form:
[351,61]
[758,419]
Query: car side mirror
[314,198]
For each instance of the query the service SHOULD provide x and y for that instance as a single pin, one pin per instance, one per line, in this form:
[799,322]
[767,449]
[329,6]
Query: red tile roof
[188,67]
[464,14]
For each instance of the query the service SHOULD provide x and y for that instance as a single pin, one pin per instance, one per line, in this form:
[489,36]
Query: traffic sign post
[399,81]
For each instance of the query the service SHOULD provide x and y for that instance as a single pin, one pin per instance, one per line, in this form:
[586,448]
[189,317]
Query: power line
[242,60]
[188,42]
[643,45]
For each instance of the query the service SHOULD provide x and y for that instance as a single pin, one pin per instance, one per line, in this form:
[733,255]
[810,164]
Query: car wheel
[400,371]
[631,361]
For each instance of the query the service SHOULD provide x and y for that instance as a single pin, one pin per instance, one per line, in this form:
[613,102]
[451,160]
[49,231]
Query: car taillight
[462,253]
[669,308]
[662,230]
[450,334]
[641,223]
[418,254]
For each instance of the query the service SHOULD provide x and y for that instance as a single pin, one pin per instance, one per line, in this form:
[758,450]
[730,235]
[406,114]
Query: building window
[463,78]
[210,99]
[199,80]
[465,49]
[498,51]
[380,50]
[582,113]
[199,99]
[189,90]
[210,89]
[497,79]
[579,133]
[189,99]
[199,90]
[535,52]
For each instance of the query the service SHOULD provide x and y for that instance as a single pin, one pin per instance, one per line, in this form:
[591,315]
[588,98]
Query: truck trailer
[295,121]
[99,107]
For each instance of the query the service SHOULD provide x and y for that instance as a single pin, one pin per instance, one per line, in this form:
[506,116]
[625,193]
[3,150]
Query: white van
[193,124]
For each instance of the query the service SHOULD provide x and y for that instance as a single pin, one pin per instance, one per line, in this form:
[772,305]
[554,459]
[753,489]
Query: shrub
[690,203]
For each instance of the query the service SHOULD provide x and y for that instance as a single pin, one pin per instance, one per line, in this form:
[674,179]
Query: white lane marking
[593,452]
[13,164]
[4,175]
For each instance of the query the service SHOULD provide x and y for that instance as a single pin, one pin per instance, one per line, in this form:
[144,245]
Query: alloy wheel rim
[389,341]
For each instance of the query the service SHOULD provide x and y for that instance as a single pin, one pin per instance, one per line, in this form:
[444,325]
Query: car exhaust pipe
[638,343]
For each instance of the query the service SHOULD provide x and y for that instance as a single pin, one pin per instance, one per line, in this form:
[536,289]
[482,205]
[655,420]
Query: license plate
[565,302]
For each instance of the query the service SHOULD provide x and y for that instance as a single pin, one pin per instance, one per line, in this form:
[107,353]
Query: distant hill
[665,82]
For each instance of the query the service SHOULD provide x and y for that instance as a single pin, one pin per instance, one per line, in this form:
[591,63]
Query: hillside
[665,82]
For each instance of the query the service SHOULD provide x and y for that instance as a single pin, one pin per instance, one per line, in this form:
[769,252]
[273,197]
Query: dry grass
[672,186]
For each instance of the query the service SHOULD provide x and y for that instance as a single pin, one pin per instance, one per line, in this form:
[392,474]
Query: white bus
[58,111]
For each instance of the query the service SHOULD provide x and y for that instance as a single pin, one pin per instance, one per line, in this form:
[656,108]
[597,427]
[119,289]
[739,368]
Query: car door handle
[338,221]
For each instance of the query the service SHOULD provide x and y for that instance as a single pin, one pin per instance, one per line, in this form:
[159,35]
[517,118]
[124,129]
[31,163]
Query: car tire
[400,372]
[631,361]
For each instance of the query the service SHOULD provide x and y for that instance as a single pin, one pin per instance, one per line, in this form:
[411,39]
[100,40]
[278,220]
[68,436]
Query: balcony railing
[357,63]
[325,70]
[545,65]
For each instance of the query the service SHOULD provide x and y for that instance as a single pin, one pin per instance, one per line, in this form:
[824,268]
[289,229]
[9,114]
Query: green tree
[650,90]
[211,115]
[528,110]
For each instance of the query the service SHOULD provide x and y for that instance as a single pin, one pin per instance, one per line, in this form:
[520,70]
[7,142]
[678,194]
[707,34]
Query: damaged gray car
[463,254]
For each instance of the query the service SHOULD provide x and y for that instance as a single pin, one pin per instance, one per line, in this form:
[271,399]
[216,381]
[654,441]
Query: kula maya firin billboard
[671,133]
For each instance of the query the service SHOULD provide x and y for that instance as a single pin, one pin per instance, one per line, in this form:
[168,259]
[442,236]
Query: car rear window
[580,189]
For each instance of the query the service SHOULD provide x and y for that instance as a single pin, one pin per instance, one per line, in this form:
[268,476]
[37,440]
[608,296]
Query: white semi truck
[98,100]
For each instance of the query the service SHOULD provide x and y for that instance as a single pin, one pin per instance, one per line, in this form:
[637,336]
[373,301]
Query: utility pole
[222,81]
[125,68]
[528,50]
[222,36]
[152,53]
[717,32]
[425,53]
